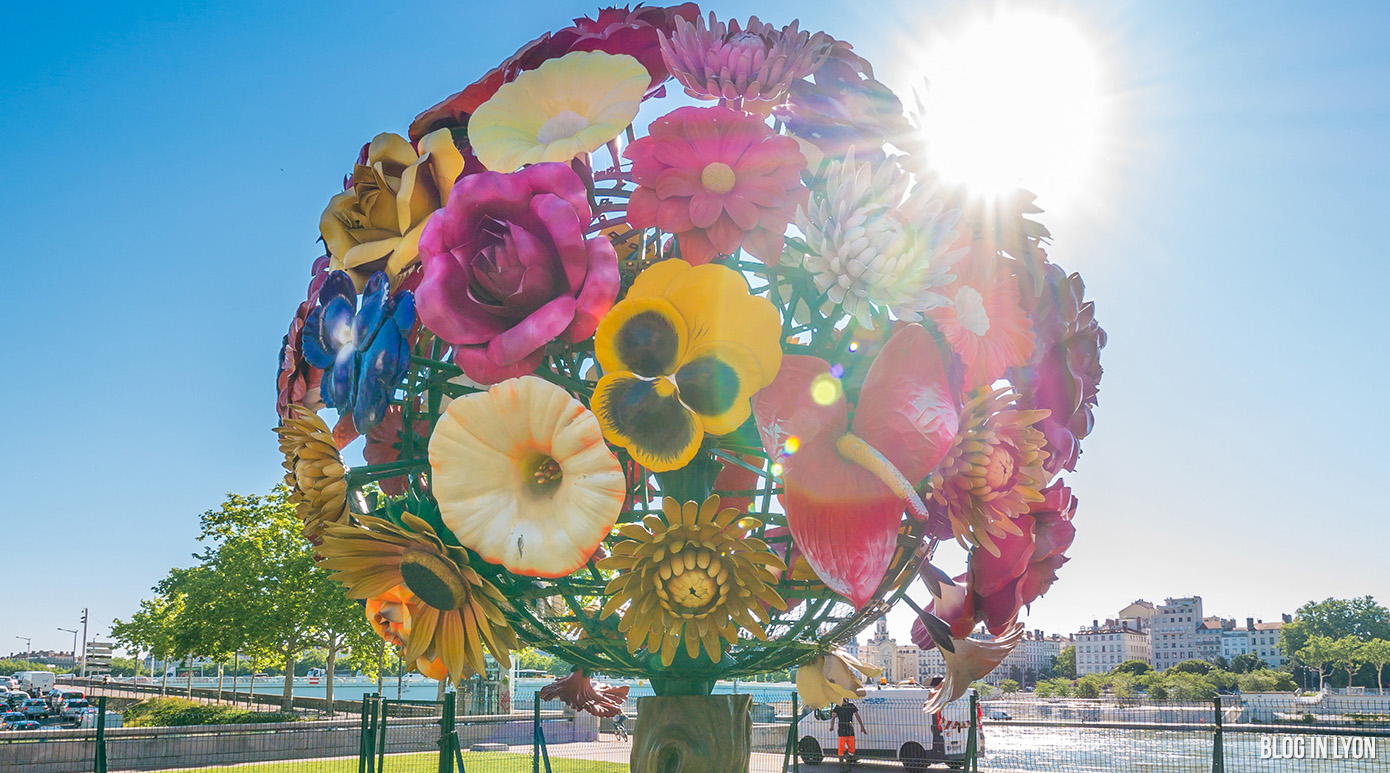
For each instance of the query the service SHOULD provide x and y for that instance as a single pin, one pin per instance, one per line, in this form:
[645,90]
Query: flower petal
[646,418]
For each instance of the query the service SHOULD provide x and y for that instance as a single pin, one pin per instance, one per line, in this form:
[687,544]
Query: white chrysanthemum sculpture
[878,242]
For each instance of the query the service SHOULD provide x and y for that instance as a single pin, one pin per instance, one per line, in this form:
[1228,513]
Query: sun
[1013,99]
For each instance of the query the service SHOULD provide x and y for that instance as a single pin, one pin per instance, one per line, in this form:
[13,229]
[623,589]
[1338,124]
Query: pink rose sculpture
[508,269]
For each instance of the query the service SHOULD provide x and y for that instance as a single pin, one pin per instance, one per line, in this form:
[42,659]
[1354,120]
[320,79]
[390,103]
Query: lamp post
[28,644]
[72,631]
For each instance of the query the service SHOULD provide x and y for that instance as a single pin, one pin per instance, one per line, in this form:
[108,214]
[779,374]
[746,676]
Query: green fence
[1239,734]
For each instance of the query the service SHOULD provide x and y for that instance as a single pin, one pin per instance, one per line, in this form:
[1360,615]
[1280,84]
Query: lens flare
[826,390]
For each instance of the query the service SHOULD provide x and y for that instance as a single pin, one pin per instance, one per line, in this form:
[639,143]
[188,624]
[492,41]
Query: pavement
[608,749]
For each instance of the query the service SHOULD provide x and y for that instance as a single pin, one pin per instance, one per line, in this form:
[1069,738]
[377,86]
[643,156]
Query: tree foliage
[255,589]
[1132,667]
[1362,618]
[1065,665]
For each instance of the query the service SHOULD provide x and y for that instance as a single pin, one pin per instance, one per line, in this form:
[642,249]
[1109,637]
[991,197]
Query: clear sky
[168,162]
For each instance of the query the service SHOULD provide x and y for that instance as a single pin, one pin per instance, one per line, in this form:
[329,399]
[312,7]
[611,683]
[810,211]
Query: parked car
[23,724]
[9,718]
[13,698]
[997,714]
[35,708]
[59,696]
[73,707]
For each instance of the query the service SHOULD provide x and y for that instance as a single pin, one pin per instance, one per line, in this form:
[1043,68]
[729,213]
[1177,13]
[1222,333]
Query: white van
[897,729]
[29,681]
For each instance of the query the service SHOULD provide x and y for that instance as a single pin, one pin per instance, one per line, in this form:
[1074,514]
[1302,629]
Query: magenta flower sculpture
[508,269]
[720,180]
[749,67]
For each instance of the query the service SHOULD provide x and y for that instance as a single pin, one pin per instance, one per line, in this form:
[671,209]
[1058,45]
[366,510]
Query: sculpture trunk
[692,734]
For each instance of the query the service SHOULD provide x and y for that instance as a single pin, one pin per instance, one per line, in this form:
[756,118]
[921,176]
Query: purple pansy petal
[313,351]
[376,294]
[340,383]
[381,369]
[403,310]
[338,285]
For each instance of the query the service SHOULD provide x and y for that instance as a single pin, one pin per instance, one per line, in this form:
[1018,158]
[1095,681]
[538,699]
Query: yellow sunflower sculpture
[696,576]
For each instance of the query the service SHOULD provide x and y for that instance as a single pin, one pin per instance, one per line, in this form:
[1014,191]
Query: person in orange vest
[845,715]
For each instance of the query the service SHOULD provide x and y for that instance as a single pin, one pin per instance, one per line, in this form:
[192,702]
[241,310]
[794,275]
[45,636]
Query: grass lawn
[473,762]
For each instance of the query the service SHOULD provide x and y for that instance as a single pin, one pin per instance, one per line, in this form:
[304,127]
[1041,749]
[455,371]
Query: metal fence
[1252,733]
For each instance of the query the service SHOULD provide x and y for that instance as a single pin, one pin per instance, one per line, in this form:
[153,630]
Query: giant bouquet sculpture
[688,398]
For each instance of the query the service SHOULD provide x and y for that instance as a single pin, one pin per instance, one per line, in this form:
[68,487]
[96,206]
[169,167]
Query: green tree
[1198,667]
[1265,680]
[1246,663]
[1008,686]
[1132,667]
[152,629]
[1377,653]
[1346,652]
[1065,665]
[1361,618]
[1318,652]
[1122,684]
[1089,686]
[1186,686]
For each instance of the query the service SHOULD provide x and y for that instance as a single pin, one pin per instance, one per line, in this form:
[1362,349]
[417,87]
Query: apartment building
[1173,631]
[1100,648]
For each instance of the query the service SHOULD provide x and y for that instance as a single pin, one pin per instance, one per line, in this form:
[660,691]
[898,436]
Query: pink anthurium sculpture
[847,485]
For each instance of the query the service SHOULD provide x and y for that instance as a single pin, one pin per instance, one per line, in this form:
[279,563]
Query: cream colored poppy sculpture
[687,398]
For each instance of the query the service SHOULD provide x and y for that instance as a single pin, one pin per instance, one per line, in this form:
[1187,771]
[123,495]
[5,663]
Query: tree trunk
[329,661]
[189,683]
[692,734]
[164,681]
[287,698]
[220,673]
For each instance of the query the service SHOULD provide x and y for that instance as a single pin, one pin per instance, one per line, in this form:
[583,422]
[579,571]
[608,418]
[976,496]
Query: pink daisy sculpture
[750,67]
[985,323]
[720,180]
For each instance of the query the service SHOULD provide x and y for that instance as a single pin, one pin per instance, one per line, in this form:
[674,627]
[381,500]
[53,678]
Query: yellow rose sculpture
[375,224]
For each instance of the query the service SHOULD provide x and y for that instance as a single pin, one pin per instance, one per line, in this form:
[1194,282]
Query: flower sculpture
[694,576]
[363,352]
[984,322]
[567,106]
[1063,376]
[508,269]
[750,66]
[720,180]
[681,356]
[458,613]
[842,109]
[679,405]
[828,679]
[314,470]
[581,694]
[874,247]
[524,478]
[993,470]
[375,224]
[847,485]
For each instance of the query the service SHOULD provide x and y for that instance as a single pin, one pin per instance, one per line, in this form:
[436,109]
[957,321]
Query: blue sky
[169,163]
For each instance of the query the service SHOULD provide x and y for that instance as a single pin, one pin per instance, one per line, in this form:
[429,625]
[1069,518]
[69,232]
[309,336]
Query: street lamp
[72,631]
[28,644]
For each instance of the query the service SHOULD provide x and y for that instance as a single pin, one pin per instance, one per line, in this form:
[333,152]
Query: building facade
[1256,638]
[1174,631]
[1102,647]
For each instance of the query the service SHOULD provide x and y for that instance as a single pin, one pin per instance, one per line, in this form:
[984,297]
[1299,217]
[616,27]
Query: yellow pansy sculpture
[681,356]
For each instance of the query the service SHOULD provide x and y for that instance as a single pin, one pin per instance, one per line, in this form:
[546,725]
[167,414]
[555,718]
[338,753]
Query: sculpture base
[692,734]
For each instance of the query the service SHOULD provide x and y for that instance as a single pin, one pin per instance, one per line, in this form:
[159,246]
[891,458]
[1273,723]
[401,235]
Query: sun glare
[1013,99]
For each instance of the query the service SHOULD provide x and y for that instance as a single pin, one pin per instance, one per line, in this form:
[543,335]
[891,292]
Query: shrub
[176,712]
